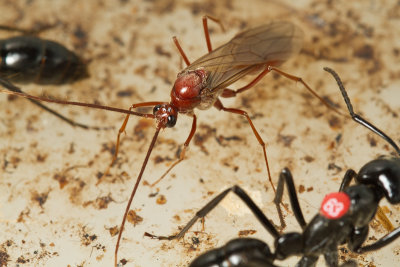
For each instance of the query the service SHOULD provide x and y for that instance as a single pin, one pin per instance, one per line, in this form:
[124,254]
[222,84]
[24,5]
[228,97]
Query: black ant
[343,218]
[30,59]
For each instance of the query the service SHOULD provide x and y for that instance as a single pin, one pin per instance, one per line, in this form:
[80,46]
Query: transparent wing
[248,52]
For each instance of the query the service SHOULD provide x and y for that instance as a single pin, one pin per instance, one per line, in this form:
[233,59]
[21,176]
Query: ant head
[166,115]
[384,174]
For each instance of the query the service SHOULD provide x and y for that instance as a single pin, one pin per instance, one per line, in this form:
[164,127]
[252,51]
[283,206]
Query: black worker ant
[343,218]
[30,59]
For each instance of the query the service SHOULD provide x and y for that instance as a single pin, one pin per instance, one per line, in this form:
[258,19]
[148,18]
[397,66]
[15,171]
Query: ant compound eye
[171,121]
[156,108]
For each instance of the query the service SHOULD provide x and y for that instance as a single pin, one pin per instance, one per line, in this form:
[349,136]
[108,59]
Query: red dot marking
[335,205]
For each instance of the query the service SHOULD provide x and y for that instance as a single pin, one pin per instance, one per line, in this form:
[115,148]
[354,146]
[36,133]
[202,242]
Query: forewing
[249,51]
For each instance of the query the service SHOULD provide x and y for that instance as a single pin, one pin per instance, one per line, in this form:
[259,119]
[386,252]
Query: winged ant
[255,51]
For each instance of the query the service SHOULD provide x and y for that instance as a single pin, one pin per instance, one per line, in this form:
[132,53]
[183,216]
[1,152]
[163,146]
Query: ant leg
[206,31]
[232,93]
[226,93]
[122,130]
[357,118]
[5,83]
[387,239]
[298,79]
[332,258]
[348,176]
[183,55]
[213,203]
[220,106]
[286,177]
[182,154]
[357,237]
[308,261]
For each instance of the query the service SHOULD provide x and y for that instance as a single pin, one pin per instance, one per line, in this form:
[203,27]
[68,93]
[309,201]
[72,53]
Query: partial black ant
[30,59]
[343,218]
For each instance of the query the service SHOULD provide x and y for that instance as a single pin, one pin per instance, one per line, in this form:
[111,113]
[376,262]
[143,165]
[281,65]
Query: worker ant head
[166,115]
[384,174]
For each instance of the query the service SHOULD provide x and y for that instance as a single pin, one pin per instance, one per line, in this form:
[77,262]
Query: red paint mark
[335,205]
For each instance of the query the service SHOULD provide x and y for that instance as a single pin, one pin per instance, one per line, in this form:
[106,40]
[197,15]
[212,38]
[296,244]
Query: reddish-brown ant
[201,83]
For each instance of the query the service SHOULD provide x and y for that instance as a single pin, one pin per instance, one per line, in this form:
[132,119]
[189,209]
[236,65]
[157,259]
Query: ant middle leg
[286,177]
[218,104]
[207,32]
[213,203]
[207,36]
[386,240]
[231,93]
[182,154]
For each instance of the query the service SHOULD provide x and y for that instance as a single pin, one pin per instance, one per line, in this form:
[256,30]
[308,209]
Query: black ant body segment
[30,59]
[343,218]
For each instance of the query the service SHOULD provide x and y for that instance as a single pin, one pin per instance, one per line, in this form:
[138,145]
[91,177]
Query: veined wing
[248,52]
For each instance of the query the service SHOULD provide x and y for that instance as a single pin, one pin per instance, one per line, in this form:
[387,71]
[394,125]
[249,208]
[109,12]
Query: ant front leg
[182,154]
[286,177]
[214,202]
[122,130]
[206,33]
[181,52]
[220,106]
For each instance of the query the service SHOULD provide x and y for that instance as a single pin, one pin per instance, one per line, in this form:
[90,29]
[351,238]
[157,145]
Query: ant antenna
[357,118]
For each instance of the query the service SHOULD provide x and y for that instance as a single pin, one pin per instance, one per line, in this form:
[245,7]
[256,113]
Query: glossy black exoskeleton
[343,218]
[29,59]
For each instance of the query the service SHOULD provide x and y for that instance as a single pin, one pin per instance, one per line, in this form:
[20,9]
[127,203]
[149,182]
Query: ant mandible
[344,216]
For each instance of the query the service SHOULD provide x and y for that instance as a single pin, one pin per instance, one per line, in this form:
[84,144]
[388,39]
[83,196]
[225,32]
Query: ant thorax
[335,205]
[187,91]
